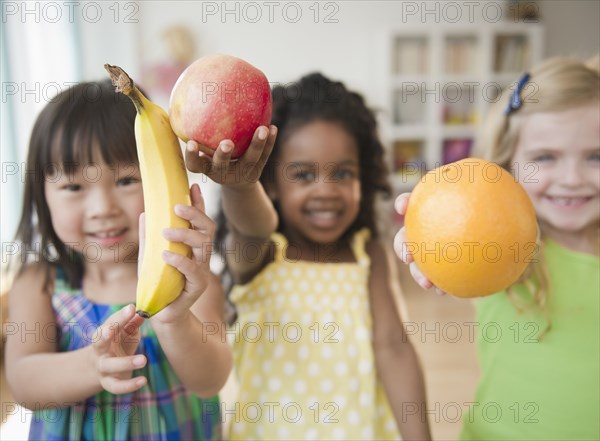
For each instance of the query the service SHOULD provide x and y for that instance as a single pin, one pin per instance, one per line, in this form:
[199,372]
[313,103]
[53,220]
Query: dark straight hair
[85,123]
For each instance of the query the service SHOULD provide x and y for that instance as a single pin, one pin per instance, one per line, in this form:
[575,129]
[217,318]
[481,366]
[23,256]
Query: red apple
[220,97]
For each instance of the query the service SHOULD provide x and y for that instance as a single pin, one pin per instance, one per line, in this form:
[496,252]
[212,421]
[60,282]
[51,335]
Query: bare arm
[196,345]
[38,375]
[250,214]
[191,330]
[396,360]
[249,211]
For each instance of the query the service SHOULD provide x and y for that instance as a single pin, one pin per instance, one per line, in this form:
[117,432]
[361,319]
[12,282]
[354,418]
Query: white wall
[288,39]
[571,27]
[341,41]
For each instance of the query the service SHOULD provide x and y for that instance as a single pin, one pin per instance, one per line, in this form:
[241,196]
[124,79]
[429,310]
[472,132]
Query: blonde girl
[541,375]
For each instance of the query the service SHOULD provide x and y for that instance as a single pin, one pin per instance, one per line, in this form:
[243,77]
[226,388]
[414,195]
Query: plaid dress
[162,410]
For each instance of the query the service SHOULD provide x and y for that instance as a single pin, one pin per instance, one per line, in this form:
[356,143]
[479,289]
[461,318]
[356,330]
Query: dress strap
[61,283]
[359,241]
[281,245]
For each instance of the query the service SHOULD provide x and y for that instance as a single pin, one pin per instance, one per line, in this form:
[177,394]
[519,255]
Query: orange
[471,228]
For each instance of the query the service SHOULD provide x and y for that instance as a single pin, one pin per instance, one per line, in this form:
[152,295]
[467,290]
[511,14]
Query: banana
[165,184]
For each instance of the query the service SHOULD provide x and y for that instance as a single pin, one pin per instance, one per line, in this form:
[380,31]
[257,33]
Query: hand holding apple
[221,169]
[220,97]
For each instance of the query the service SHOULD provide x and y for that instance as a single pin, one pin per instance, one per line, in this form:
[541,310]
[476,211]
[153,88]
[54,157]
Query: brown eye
[71,187]
[305,176]
[127,181]
[343,174]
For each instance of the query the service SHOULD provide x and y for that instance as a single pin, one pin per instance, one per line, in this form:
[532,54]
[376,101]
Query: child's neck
[585,241]
[110,283]
[302,248]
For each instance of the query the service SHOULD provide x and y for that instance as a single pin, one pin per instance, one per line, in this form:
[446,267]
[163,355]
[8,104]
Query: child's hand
[402,251]
[196,269]
[221,169]
[115,343]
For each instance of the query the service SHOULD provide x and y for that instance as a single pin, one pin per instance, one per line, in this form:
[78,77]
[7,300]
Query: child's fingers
[120,365]
[133,326]
[440,292]
[184,265]
[206,151]
[130,337]
[222,158]
[197,218]
[117,386]
[270,143]
[103,339]
[197,198]
[197,160]
[400,246]
[112,325]
[401,203]
[193,238]
[192,160]
[195,274]
[257,146]
[419,277]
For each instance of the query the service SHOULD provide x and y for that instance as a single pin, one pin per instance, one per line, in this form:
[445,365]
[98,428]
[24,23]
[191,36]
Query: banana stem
[124,84]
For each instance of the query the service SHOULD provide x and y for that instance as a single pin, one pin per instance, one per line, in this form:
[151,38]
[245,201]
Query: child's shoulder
[261,255]
[33,279]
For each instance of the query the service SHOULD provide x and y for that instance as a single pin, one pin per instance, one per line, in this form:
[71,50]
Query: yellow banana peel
[165,183]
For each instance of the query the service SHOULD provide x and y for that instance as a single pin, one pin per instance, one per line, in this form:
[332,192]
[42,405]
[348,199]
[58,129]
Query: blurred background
[429,68]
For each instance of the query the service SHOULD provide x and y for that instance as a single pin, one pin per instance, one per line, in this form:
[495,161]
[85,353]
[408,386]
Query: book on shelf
[411,55]
[409,107]
[456,149]
[461,55]
[511,53]
[408,161]
[456,115]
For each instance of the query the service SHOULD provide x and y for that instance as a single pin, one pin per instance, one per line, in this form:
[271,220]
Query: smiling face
[317,182]
[557,160]
[95,209]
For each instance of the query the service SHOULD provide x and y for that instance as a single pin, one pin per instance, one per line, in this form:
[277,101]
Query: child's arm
[39,376]
[250,214]
[191,330]
[396,360]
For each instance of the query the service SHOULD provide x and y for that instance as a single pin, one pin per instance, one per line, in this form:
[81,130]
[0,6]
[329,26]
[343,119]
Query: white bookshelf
[426,69]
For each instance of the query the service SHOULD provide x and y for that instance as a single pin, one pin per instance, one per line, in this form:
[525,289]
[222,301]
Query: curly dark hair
[316,98]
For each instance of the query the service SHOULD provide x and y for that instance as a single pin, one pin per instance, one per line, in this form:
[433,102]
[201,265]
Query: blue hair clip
[516,102]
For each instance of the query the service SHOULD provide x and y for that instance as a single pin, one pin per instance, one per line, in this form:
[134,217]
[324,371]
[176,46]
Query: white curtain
[39,58]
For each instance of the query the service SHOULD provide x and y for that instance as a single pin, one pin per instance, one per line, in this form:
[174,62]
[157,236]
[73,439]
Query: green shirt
[546,389]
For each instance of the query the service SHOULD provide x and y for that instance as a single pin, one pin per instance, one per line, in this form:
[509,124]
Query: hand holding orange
[470,228]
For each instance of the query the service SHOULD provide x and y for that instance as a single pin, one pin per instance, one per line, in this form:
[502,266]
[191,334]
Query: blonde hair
[555,85]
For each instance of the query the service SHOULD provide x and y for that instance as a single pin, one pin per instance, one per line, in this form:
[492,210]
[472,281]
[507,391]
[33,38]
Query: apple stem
[124,84]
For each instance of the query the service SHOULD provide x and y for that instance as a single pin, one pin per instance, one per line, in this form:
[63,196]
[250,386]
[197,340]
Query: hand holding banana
[196,269]
[166,269]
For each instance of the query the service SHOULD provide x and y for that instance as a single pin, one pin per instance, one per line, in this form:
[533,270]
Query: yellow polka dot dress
[303,353]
